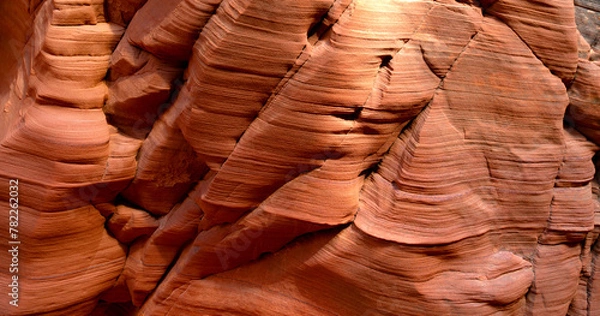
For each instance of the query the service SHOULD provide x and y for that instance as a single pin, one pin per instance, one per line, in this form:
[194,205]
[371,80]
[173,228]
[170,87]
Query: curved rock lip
[283,157]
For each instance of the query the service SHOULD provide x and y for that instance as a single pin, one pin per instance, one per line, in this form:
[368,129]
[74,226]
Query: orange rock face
[319,157]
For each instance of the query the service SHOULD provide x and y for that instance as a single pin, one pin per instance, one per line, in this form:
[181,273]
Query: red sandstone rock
[208,157]
[127,224]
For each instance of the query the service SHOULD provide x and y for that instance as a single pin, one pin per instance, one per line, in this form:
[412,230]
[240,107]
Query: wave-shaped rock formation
[317,157]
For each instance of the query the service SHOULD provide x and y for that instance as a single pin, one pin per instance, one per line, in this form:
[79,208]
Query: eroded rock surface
[321,157]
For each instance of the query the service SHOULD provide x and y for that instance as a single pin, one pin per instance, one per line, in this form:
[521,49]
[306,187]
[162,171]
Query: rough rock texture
[318,157]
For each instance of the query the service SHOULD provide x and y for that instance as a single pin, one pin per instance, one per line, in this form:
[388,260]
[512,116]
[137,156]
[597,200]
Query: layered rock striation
[322,157]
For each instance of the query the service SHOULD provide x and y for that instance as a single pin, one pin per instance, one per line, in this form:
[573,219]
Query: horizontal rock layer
[194,157]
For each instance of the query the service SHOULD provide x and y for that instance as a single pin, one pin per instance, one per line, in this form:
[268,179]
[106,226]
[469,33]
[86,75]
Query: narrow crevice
[318,26]
[319,31]
[428,63]
[486,5]
[350,116]
[385,61]
[371,169]
[459,56]
[297,65]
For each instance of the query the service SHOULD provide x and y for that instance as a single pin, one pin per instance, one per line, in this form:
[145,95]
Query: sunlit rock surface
[318,157]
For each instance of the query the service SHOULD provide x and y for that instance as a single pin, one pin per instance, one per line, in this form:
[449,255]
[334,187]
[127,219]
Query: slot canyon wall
[299,157]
